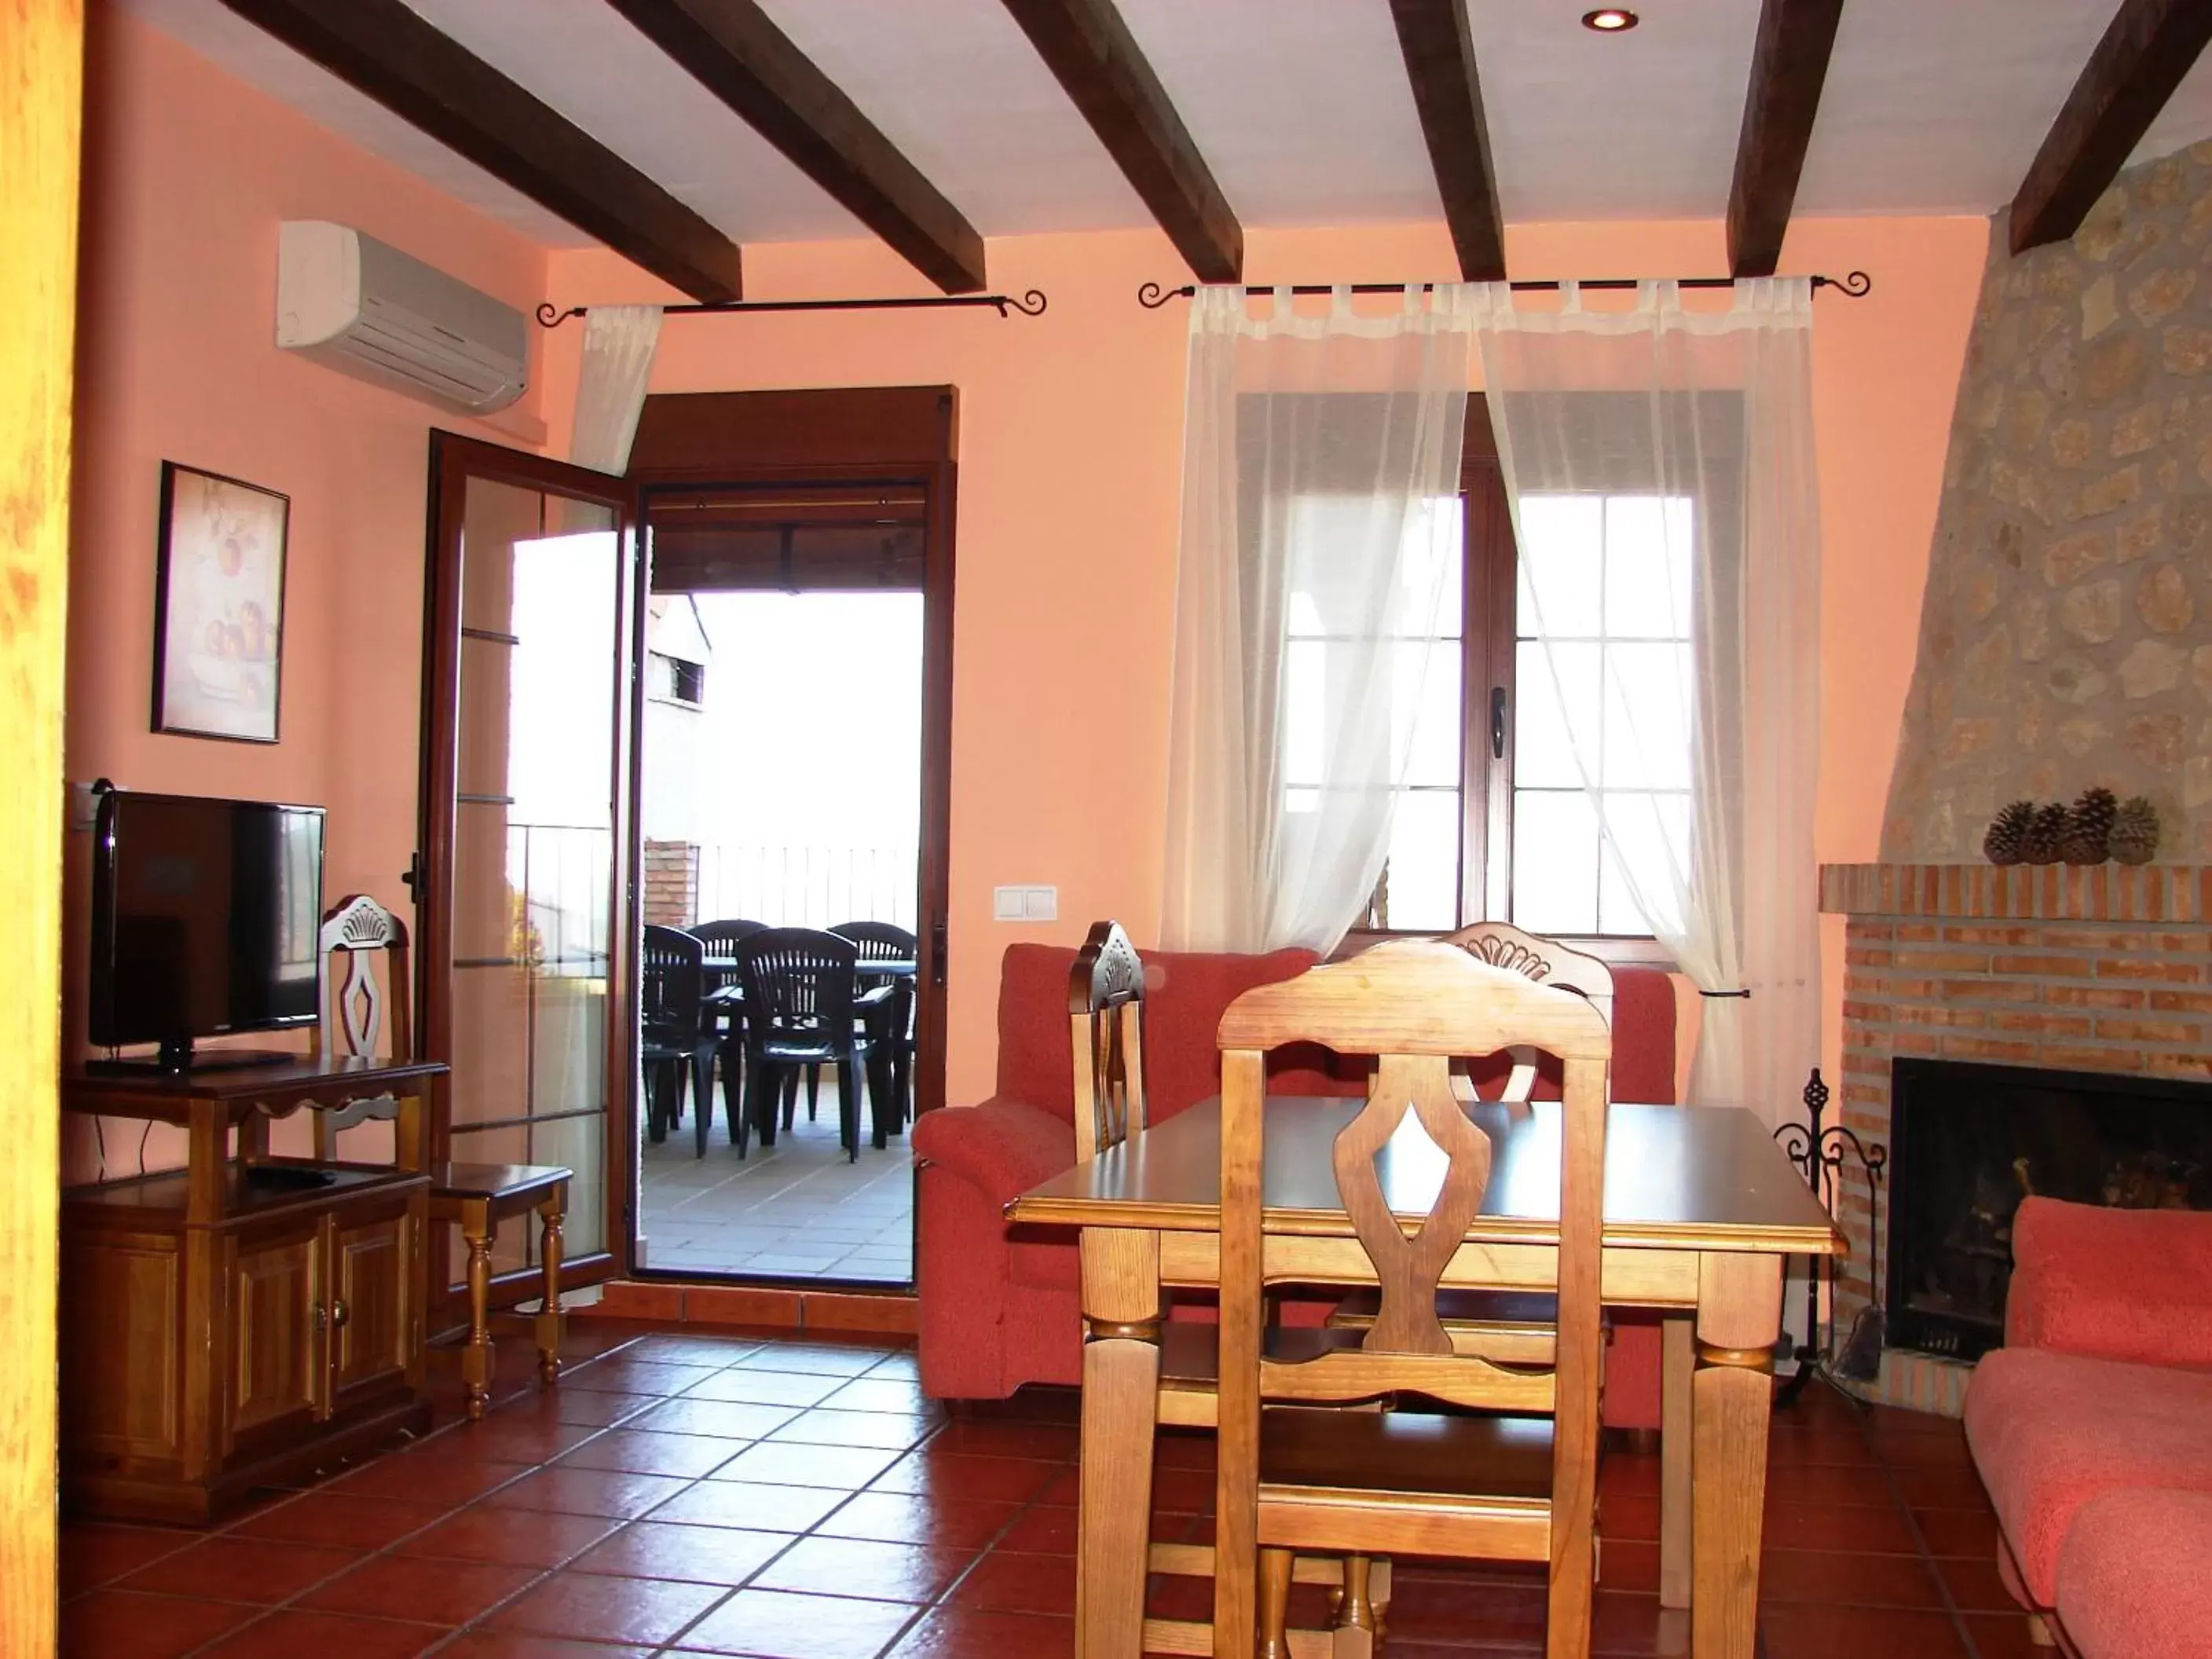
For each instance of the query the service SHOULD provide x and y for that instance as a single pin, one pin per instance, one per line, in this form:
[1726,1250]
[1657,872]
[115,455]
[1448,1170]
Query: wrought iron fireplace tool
[1820,1151]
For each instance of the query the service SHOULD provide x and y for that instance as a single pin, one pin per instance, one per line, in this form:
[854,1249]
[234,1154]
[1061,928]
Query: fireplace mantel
[2147,893]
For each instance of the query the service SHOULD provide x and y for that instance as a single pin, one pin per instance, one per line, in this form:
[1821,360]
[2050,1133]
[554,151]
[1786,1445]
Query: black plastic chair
[884,941]
[675,1033]
[803,1008]
[726,1001]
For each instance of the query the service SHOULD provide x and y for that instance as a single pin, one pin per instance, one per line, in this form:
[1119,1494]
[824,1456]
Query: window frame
[1488,640]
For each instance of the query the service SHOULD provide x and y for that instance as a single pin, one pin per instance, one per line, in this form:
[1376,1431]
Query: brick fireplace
[2101,968]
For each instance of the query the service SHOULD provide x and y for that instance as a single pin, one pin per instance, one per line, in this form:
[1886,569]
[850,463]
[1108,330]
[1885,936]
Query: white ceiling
[1300,107]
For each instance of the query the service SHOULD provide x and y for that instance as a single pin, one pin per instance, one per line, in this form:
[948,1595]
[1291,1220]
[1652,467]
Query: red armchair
[999,1304]
[2091,1427]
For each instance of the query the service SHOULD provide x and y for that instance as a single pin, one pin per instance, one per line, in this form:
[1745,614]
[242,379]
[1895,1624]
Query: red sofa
[2091,1427]
[999,1304]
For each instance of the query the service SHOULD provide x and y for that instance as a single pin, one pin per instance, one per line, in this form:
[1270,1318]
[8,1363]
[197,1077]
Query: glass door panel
[522,897]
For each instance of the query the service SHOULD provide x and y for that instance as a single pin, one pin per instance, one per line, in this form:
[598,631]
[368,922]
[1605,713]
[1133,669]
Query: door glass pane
[541,666]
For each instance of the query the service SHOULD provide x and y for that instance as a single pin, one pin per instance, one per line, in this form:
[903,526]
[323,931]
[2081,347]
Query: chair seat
[810,1049]
[495,1181]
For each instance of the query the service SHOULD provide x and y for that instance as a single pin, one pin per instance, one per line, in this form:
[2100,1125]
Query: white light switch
[1025,904]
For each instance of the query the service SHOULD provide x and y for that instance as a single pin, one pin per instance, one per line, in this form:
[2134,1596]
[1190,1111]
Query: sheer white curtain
[619,343]
[1319,542]
[1661,465]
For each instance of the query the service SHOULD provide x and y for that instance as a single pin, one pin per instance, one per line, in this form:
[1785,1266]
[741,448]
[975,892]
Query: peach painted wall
[187,173]
[1071,430]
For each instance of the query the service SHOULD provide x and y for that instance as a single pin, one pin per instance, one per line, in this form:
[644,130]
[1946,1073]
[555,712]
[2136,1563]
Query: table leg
[549,1316]
[1678,1366]
[1739,1317]
[477,1357]
[1121,1311]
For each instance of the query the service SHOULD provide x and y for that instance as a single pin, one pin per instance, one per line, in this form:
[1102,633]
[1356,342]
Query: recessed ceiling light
[1610,20]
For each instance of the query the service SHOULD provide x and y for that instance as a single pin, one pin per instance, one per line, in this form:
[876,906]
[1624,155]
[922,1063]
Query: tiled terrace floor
[796,1209]
[681,1493]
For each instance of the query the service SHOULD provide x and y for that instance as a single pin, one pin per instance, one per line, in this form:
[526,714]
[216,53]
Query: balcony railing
[807,886]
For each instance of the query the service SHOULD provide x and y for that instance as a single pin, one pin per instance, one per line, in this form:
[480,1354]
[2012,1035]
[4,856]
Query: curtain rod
[1856,285]
[1030,304]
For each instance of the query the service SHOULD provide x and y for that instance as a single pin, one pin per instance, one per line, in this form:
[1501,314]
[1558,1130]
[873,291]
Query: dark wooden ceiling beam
[1089,50]
[733,49]
[2146,51]
[382,48]
[1788,68]
[1447,90]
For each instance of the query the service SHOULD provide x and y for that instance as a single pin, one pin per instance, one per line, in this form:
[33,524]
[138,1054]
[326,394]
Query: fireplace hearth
[1969,1142]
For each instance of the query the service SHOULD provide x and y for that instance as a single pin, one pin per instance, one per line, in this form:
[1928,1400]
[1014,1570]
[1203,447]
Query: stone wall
[2066,635]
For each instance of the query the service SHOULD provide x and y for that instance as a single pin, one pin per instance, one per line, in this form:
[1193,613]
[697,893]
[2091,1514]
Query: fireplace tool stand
[1820,1150]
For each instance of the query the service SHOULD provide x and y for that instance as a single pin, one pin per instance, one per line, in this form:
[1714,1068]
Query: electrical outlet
[1044,904]
[1025,904]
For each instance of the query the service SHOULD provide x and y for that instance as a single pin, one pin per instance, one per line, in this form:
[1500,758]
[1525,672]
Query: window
[1502,731]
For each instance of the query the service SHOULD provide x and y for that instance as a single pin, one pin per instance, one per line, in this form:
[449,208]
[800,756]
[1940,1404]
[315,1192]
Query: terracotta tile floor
[740,1494]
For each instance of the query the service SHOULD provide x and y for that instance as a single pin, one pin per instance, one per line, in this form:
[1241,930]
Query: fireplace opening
[1968,1142]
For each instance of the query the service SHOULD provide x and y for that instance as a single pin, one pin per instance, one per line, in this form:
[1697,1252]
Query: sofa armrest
[2128,1284]
[1003,1147]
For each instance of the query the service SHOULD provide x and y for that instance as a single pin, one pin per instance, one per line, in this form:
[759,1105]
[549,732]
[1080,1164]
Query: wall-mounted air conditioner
[367,309]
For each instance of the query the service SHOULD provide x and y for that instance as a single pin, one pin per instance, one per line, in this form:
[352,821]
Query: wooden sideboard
[219,1333]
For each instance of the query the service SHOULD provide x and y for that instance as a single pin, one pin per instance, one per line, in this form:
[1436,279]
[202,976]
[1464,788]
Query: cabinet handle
[340,1313]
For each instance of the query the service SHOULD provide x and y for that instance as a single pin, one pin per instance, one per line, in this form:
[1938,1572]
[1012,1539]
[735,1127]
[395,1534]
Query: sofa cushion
[1185,992]
[2134,1576]
[2079,1285]
[2051,1432]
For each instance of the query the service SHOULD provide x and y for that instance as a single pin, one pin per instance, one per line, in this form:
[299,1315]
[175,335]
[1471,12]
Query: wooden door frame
[686,443]
[454,460]
[42,61]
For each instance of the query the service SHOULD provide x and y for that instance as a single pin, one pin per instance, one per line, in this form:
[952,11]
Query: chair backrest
[730,933]
[670,980]
[1546,962]
[796,979]
[356,1005]
[1415,1005]
[1106,1030]
[879,941]
[361,1004]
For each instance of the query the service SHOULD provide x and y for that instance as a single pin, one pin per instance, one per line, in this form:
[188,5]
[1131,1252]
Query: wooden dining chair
[1517,1482]
[1513,1326]
[1106,1032]
[474,1197]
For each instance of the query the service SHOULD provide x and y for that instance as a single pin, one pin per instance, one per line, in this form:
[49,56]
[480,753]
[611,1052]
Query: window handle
[1497,722]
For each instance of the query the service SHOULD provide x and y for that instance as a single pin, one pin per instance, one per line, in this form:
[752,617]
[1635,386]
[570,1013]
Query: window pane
[1305,693]
[1544,727]
[1424,712]
[1647,717]
[1555,861]
[1647,567]
[1424,869]
[1432,573]
[1651,834]
[1561,556]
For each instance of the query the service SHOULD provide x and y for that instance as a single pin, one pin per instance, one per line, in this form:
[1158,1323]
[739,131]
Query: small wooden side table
[478,1197]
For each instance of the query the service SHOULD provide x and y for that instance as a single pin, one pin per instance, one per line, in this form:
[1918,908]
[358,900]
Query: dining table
[1701,1209]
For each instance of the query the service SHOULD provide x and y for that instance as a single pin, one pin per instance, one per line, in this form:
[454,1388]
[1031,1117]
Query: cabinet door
[373,1311]
[275,1348]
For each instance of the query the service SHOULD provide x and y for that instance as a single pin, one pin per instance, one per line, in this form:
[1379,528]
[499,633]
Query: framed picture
[218,607]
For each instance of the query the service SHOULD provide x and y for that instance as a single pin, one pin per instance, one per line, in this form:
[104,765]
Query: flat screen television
[205,915]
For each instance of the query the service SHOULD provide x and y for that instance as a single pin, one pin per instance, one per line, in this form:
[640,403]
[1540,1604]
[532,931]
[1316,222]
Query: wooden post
[548,1260]
[1678,1369]
[1739,1316]
[1120,1387]
[477,1357]
[41,102]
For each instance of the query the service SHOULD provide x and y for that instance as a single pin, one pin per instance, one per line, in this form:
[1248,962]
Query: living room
[2008,448]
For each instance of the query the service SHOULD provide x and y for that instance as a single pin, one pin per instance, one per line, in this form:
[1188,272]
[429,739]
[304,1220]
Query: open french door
[523,888]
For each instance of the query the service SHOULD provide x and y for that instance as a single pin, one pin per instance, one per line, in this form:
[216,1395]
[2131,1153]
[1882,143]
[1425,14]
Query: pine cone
[2089,827]
[2046,830]
[2007,831]
[2134,839]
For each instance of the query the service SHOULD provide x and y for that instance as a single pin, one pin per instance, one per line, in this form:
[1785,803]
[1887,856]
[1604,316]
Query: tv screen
[204,918]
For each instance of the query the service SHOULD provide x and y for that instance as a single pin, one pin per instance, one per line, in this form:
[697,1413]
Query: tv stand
[181,1060]
[245,1320]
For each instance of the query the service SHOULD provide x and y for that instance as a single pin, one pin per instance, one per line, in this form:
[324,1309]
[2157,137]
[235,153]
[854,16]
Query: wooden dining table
[1701,1207]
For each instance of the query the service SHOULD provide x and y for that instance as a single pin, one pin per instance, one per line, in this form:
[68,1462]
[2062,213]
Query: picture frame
[218,607]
